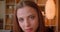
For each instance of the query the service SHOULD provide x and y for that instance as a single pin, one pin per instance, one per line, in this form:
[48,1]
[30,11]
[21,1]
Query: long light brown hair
[17,28]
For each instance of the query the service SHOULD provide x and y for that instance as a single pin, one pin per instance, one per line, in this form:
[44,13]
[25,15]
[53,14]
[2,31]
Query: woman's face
[27,19]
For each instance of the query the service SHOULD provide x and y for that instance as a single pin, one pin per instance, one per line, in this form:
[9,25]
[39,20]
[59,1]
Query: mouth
[29,30]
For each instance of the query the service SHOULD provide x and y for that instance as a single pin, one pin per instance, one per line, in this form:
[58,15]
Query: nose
[27,23]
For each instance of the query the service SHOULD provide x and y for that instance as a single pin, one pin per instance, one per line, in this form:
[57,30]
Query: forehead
[25,11]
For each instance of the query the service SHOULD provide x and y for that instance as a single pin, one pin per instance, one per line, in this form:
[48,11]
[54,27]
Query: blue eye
[21,19]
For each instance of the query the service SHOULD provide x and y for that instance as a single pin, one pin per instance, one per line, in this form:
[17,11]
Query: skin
[27,19]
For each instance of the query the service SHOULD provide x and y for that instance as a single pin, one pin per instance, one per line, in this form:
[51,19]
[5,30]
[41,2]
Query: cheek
[21,25]
[35,23]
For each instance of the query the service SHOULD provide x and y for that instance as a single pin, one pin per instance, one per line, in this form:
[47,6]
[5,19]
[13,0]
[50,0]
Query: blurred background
[7,8]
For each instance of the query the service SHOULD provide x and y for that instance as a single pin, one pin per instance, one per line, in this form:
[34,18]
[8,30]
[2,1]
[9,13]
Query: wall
[2,9]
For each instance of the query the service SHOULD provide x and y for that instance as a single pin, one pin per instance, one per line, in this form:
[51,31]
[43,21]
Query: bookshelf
[6,14]
[10,4]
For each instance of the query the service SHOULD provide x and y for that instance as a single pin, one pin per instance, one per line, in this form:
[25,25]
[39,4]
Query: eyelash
[32,17]
[21,19]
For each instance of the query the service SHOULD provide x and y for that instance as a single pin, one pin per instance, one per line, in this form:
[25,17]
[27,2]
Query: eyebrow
[27,16]
[19,17]
[31,15]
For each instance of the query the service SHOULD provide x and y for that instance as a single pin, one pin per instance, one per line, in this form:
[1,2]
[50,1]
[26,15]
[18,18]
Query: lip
[29,30]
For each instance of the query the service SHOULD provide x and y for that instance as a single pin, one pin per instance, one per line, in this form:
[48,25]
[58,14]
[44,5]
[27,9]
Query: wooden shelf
[41,1]
[10,1]
[10,24]
[8,27]
[12,4]
[41,4]
[50,22]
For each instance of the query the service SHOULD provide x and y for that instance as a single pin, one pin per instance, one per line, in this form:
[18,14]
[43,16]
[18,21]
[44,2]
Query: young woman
[28,18]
